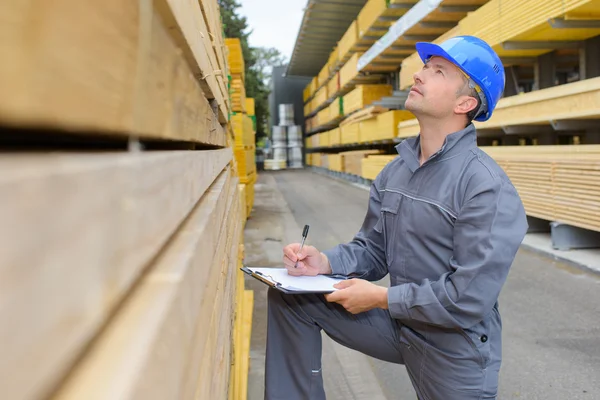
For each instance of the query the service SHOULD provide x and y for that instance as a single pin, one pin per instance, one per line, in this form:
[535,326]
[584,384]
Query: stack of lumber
[571,101]
[365,95]
[335,162]
[118,275]
[245,154]
[335,137]
[350,133]
[316,159]
[424,20]
[375,19]
[504,22]
[387,124]
[336,109]
[538,109]
[244,304]
[243,121]
[556,183]
[235,59]
[373,164]
[352,160]
[350,74]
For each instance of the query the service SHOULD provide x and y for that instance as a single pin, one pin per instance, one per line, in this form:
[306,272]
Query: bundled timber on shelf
[368,130]
[541,109]
[98,204]
[365,113]
[335,137]
[183,305]
[387,123]
[518,29]
[335,162]
[350,75]
[373,164]
[424,21]
[352,160]
[363,95]
[556,183]
[377,16]
[57,77]
[350,133]
[571,101]
[347,42]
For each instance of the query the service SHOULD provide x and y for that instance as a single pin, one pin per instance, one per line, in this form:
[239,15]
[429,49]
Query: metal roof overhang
[323,25]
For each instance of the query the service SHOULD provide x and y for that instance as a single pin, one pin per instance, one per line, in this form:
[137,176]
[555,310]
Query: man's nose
[418,77]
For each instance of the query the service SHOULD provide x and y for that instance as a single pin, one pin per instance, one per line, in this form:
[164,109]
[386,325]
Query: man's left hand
[358,295]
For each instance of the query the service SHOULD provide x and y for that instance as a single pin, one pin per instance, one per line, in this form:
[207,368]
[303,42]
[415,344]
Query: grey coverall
[447,233]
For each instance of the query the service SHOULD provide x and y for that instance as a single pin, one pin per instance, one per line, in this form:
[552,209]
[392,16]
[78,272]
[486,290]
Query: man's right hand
[309,262]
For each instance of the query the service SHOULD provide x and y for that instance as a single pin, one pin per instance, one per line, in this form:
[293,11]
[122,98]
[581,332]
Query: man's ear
[464,104]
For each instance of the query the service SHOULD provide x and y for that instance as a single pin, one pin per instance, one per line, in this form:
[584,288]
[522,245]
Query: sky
[274,23]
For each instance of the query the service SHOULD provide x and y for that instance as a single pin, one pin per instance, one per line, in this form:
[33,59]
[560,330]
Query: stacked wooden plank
[245,154]
[502,22]
[243,121]
[118,278]
[423,20]
[335,162]
[538,109]
[364,95]
[236,62]
[352,160]
[374,164]
[241,335]
[556,183]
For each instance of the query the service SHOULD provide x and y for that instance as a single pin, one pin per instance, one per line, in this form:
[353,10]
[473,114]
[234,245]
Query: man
[445,222]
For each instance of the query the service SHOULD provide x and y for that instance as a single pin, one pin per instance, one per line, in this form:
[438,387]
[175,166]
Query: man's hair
[469,91]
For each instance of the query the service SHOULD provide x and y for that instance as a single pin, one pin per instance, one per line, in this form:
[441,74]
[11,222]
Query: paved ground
[551,311]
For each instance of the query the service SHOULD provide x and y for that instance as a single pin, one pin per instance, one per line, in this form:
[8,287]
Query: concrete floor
[550,310]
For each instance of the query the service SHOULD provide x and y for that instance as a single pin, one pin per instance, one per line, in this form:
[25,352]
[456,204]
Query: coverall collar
[455,143]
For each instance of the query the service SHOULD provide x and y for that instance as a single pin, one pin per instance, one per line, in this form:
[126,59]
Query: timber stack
[122,215]
[243,120]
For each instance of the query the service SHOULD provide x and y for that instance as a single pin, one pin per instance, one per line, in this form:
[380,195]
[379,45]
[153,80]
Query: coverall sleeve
[487,235]
[364,256]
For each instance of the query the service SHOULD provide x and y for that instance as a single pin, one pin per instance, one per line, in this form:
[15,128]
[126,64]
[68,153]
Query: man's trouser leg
[293,358]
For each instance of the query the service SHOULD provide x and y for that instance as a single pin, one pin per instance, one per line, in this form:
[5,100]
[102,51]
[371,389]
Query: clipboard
[278,278]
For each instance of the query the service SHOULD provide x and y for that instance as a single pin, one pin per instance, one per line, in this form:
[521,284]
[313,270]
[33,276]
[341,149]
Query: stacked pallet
[237,75]
[556,183]
[374,164]
[114,281]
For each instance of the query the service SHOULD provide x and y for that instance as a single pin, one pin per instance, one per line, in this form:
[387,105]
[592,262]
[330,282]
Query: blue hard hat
[478,61]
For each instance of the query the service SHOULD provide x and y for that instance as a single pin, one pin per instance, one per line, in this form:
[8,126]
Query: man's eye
[439,72]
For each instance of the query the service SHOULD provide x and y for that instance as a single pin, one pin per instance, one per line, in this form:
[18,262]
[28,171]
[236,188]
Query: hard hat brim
[428,50]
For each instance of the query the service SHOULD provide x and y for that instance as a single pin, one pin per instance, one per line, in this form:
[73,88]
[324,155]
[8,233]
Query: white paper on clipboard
[299,284]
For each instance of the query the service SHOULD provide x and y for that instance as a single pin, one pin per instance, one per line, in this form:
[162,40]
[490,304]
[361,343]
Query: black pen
[304,235]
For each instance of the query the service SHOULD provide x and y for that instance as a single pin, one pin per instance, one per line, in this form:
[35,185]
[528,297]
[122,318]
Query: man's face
[440,90]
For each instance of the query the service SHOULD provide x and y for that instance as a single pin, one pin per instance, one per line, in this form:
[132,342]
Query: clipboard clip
[262,277]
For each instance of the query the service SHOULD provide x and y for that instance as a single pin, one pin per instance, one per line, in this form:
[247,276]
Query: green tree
[257,62]
[266,58]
